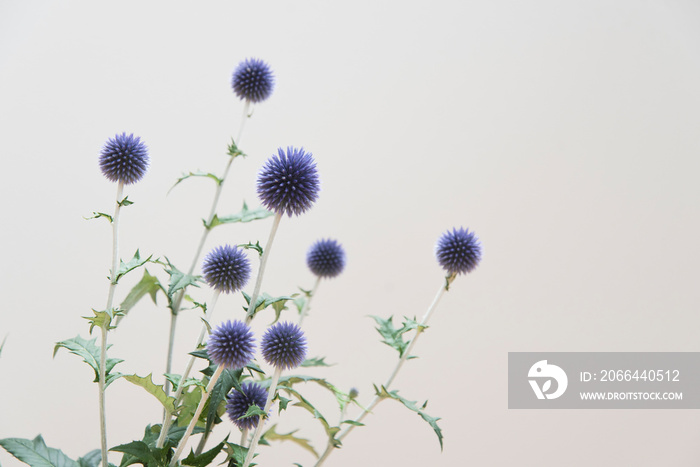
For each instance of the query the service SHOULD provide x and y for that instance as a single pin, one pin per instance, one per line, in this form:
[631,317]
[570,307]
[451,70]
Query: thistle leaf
[272,435]
[133,263]
[245,215]
[196,174]
[155,390]
[36,453]
[147,285]
[411,405]
[90,353]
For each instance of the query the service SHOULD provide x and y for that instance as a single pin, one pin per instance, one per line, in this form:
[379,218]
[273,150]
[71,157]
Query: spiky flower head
[238,402]
[231,344]
[226,268]
[124,158]
[458,251]
[288,182]
[253,80]
[326,258]
[284,345]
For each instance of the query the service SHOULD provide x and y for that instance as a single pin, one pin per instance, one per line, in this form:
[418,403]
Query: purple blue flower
[124,158]
[231,345]
[226,268]
[288,182]
[238,403]
[458,251]
[326,258]
[284,345]
[253,80]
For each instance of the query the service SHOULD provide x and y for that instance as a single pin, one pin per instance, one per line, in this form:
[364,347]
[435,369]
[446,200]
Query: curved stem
[104,327]
[261,271]
[178,393]
[197,413]
[261,421]
[305,308]
[377,399]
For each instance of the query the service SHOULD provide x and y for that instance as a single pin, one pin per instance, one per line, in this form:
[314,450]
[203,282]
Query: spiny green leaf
[265,300]
[125,202]
[252,246]
[228,380]
[155,390]
[91,459]
[178,280]
[139,450]
[283,402]
[233,150]
[133,263]
[253,411]
[411,405]
[97,215]
[196,174]
[103,318]
[90,353]
[393,337]
[206,458]
[302,402]
[36,453]
[317,361]
[245,215]
[289,380]
[147,285]
[272,435]
[235,455]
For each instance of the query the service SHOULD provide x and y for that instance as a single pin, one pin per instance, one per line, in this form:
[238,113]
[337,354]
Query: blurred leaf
[251,246]
[245,215]
[91,459]
[158,392]
[317,361]
[272,435]
[265,300]
[3,344]
[235,455]
[228,380]
[147,285]
[233,150]
[130,265]
[90,353]
[36,453]
[393,337]
[205,458]
[97,215]
[411,405]
[125,202]
[341,397]
[105,318]
[196,174]
[302,402]
[140,452]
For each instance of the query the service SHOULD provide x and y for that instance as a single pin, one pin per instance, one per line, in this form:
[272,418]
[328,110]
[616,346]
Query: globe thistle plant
[253,80]
[326,258]
[231,345]
[238,402]
[124,159]
[284,345]
[226,268]
[458,251]
[288,182]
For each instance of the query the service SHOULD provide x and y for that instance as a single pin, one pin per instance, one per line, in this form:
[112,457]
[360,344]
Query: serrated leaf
[303,403]
[36,453]
[411,405]
[97,215]
[253,411]
[316,361]
[205,458]
[228,380]
[233,150]
[272,435]
[91,459]
[198,173]
[393,337]
[284,402]
[139,450]
[265,300]
[252,246]
[179,280]
[235,454]
[90,353]
[103,318]
[245,215]
[155,390]
[133,263]
[147,285]
[125,202]
[289,380]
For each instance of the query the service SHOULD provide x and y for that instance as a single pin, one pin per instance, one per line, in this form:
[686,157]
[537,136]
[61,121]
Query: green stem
[377,399]
[104,327]
[305,308]
[261,271]
[261,421]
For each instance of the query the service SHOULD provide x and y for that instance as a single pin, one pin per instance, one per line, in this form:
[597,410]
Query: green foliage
[272,435]
[97,215]
[316,361]
[90,353]
[265,300]
[228,380]
[103,318]
[303,403]
[147,285]
[245,215]
[178,280]
[341,397]
[155,390]
[235,455]
[138,452]
[3,344]
[36,454]
[393,337]
[233,150]
[252,246]
[411,405]
[196,174]
[133,263]
[125,202]
[206,458]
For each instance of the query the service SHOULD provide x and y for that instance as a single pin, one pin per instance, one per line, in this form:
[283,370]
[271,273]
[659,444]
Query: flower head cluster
[458,251]
[226,268]
[231,345]
[326,258]
[288,182]
[284,345]
[124,158]
[253,80]
[238,402]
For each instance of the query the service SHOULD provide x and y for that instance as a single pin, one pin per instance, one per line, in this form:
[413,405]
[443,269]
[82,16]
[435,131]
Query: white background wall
[564,133]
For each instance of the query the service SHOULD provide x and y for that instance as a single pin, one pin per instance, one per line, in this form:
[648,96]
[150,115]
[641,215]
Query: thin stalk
[167,421]
[197,413]
[244,437]
[259,428]
[261,271]
[305,308]
[377,399]
[103,327]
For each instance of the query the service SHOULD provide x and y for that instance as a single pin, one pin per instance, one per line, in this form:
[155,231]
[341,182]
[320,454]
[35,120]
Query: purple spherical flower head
[284,345]
[326,258]
[124,158]
[226,268]
[253,80]
[288,182]
[231,345]
[238,402]
[458,251]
